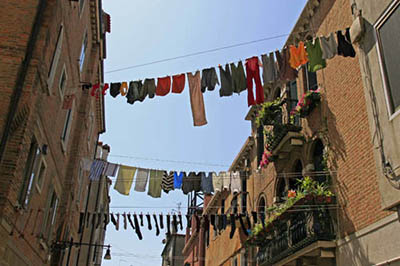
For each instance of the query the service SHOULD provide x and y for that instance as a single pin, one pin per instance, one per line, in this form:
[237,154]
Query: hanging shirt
[196,99]
[217,182]
[253,72]
[178,83]
[124,179]
[328,46]
[298,55]
[167,183]
[209,79]
[163,86]
[115,89]
[314,51]
[141,179]
[149,86]
[236,184]
[238,78]
[96,169]
[269,68]
[345,48]
[111,169]
[226,81]
[178,179]
[155,183]
[207,183]
[286,72]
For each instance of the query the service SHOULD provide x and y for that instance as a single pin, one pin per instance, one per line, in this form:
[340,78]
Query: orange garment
[124,88]
[298,55]
[163,86]
[196,99]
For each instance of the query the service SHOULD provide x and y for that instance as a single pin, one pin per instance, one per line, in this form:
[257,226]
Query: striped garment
[167,183]
[96,169]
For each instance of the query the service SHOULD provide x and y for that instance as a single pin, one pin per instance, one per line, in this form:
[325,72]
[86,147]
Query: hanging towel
[314,51]
[149,86]
[253,72]
[124,179]
[155,183]
[270,74]
[111,169]
[178,179]
[217,182]
[286,72]
[226,81]
[239,82]
[236,185]
[115,89]
[207,183]
[345,48]
[141,179]
[163,86]
[209,79]
[167,183]
[298,55]
[96,169]
[328,46]
[124,88]
[178,83]
[196,99]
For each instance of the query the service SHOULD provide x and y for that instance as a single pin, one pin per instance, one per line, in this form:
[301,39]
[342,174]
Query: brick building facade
[49,49]
[335,143]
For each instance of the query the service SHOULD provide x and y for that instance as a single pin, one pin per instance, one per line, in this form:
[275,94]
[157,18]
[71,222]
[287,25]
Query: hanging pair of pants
[253,72]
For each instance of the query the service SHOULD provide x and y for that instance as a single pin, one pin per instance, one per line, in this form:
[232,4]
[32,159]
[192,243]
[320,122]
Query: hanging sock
[253,72]
[155,183]
[188,220]
[114,221]
[98,220]
[286,72]
[219,222]
[206,224]
[156,223]
[180,221]
[124,88]
[298,55]
[270,73]
[141,219]
[178,83]
[81,221]
[226,81]
[115,89]
[178,179]
[254,214]
[233,226]
[141,179]
[242,224]
[125,221]
[196,99]
[106,220]
[130,221]
[161,221]
[197,222]
[117,227]
[148,221]
[175,223]
[167,183]
[316,62]
[163,86]
[124,179]
[209,79]
[149,86]
[345,48]
[239,82]
[137,227]
[168,224]
[224,221]
[213,222]
[328,46]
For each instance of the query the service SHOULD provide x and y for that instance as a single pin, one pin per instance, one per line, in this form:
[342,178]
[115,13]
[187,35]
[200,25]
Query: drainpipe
[21,76]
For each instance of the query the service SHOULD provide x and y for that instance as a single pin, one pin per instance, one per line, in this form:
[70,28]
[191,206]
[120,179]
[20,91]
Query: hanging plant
[267,157]
[307,103]
[269,112]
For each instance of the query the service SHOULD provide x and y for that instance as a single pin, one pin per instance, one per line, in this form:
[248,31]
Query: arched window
[281,190]
[261,205]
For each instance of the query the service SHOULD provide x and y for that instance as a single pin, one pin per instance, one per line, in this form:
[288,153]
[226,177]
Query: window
[41,175]
[310,79]
[81,5]
[388,37]
[56,58]
[67,128]
[244,194]
[83,52]
[260,144]
[50,215]
[29,174]
[63,82]
[235,261]
[291,88]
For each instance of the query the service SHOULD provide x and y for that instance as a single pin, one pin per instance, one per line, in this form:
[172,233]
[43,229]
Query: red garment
[105,87]
[253,72]
[94,92]
[178,83]
[163,86]
[68,101]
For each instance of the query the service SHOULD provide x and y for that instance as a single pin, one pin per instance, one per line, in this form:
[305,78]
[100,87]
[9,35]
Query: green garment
[155,183]
[314,51]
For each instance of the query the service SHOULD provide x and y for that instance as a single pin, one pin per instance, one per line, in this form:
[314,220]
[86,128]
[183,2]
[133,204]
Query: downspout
[21,76]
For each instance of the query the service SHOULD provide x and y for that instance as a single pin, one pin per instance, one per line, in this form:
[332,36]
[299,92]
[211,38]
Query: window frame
[62,90]
[392,112]
[81,7]
[307,79]
[46,226]
[39,186]
[65,134]
[82,55]
[55,58]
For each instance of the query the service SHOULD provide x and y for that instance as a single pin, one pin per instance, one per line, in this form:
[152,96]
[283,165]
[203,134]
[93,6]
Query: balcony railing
[307,221]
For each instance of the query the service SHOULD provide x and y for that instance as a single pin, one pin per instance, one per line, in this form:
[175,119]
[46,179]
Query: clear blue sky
[162,127]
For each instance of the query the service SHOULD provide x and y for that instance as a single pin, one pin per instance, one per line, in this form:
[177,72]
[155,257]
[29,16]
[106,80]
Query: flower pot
[320,199]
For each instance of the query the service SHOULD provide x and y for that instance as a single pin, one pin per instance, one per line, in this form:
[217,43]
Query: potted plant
[307,103]
[269,113]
